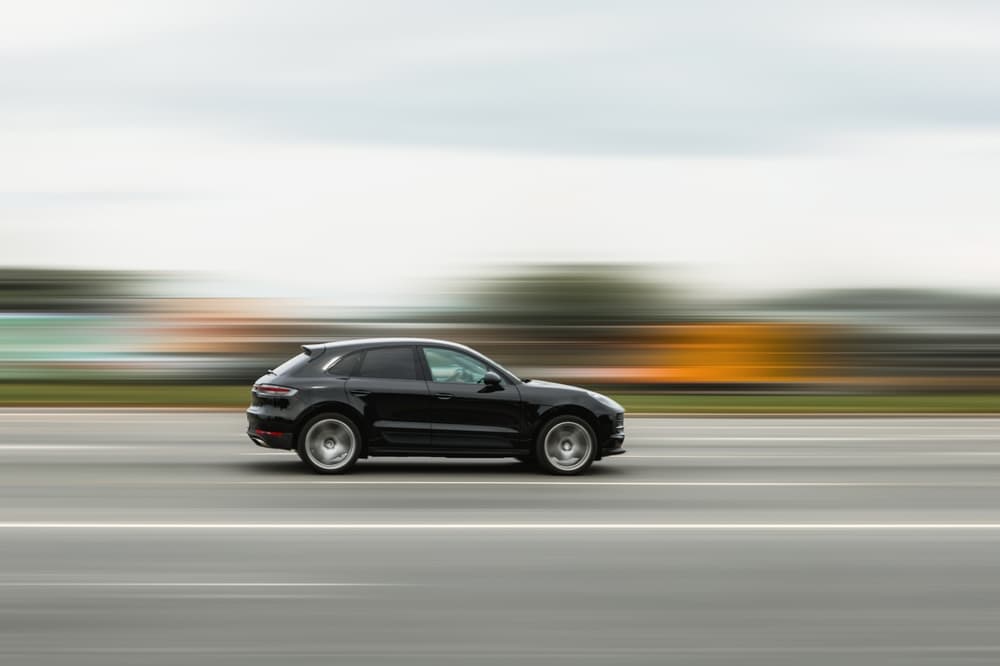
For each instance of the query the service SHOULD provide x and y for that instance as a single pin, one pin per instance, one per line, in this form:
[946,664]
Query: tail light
[273,391]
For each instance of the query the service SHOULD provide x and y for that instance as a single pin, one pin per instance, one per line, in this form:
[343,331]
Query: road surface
[168,538]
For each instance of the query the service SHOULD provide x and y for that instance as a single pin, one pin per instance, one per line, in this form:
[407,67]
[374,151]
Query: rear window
[389,363]
[291,365]
[346,366]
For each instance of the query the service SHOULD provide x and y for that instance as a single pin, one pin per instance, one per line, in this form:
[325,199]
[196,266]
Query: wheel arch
[333,406]
[564,410]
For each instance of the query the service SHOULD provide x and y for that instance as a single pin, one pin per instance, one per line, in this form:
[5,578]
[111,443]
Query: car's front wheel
[329,443]
[566,445]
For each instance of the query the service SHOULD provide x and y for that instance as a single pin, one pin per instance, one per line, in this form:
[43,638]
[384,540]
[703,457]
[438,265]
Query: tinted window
[291,365]
[389,363]
[346,366]
[454,367]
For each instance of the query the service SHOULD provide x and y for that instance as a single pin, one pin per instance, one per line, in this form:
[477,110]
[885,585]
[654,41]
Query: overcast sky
[362,149]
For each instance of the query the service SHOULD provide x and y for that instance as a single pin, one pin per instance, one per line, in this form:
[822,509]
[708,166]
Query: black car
[340,401]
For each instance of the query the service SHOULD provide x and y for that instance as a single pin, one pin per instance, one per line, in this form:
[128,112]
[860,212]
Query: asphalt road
[168,538]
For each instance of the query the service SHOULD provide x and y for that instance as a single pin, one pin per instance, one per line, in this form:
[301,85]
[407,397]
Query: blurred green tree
[56,290]
[570,294]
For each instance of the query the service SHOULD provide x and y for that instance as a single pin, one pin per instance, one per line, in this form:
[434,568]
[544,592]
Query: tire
[329,443]
[566,445]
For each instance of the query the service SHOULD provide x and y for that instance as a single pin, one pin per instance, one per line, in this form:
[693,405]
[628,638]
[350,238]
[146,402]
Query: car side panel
[396,411]
[476,417]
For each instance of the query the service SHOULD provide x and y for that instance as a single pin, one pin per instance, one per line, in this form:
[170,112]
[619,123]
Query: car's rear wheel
[566,445]
[329,443]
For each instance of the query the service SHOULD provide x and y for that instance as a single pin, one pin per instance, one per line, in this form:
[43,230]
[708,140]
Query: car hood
[566,388]
[541,383]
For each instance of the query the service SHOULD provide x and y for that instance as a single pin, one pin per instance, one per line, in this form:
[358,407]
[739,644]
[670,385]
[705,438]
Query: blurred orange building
[745,353]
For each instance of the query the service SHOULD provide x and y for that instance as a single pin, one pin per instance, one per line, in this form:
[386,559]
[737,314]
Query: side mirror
[492,379]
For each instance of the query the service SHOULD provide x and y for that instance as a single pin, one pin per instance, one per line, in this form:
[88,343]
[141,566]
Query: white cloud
[57,24]
[361,222]
[360,146]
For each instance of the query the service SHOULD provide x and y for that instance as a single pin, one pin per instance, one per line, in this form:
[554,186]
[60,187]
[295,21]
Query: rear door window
[389,363]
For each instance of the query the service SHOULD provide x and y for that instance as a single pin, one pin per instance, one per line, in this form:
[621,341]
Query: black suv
[340,401]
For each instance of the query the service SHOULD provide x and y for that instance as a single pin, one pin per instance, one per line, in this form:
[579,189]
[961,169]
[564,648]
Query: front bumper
[615,446]
[615,443]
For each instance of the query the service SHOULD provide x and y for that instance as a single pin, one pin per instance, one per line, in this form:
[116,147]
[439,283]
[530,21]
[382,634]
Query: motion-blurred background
[695,206]
[92,337]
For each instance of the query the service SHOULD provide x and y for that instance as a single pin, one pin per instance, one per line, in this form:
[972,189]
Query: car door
[467,415]
[388,388]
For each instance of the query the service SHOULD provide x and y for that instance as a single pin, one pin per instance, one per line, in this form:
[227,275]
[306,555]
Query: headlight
[606,401]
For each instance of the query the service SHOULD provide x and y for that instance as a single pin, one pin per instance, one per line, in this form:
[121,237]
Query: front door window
[453,367]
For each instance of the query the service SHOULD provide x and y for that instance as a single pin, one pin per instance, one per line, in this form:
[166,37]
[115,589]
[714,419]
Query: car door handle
[444,396]
[359,392]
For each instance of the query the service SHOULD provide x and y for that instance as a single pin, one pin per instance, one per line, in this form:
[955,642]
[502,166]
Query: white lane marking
[131,448]
[807,423]
[835,456]
[804,422]
[680,484]
[160,417]
[183,584]
[137,412]
[808,438]
[816,427]
[61,447]
[498,526]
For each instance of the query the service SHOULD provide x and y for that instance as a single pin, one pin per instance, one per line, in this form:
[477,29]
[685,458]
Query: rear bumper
[270,439]
[268,434]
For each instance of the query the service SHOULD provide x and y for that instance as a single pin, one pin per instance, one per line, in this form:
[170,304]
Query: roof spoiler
[313,350]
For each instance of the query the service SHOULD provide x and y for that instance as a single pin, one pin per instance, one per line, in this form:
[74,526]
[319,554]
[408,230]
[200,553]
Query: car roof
[364,343]
[355,344]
